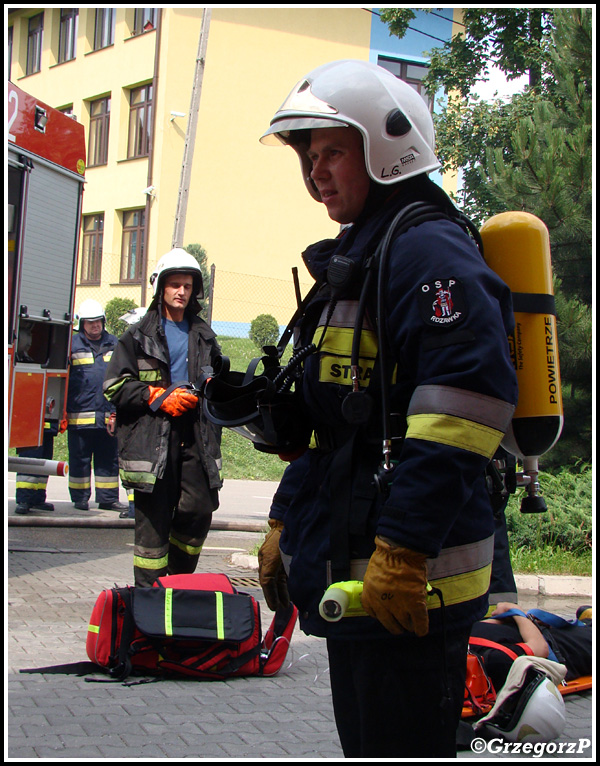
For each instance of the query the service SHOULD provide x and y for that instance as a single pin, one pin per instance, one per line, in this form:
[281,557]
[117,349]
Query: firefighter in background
[88,414]
[423,543]
[169,454]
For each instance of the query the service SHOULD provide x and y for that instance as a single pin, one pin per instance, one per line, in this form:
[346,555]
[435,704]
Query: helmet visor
[281,130]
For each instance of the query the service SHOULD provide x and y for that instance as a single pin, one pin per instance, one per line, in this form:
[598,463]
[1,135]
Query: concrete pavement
[52,586]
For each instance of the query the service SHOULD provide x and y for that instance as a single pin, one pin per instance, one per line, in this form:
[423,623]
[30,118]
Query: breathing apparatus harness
[264,408]
[356,407]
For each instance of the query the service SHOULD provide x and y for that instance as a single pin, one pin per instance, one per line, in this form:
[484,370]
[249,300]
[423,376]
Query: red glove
[176,403]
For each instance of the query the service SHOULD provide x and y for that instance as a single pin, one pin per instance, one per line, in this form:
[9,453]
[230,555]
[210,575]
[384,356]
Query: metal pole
[190,136]
[211,292]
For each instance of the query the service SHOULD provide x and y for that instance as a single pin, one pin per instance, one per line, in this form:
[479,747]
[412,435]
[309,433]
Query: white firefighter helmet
[90,309]
[533,713]
[176,260]
[394,121]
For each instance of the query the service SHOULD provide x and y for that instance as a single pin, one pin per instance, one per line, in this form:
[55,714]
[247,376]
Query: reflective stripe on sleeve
[446,400]
[458,418]
[455,432]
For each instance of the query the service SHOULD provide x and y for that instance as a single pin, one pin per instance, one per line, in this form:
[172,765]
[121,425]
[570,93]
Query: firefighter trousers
[97,445]
[31,488]
[398,697]
[172,521]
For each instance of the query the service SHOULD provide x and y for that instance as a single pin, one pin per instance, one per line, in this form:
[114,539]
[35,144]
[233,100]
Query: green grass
[550,561]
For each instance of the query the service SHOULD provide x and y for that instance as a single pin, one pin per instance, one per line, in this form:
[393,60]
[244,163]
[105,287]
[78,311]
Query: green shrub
[566,525]
[114,309]
[264,330]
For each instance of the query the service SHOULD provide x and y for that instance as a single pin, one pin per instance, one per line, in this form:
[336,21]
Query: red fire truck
[46,165]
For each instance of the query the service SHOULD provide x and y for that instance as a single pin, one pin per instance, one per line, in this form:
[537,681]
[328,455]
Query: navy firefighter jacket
[87,407]
[452,390]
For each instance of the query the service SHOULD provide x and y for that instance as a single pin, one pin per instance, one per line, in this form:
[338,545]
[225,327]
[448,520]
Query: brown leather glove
[271,574]
[395,588]
[176,403]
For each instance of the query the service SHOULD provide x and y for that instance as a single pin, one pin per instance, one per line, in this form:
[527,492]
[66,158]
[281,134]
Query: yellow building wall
[247,203]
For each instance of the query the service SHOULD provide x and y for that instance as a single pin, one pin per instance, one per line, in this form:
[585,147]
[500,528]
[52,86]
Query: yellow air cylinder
[517,247]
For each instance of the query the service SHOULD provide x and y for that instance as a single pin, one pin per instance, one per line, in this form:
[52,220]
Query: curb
[555,585]
[544,585]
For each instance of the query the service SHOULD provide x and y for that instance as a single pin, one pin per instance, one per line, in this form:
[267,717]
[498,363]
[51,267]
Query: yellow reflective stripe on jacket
[458,418]
[462,572]
[460,588]
[149,376]
[82,357]
[81,418]
[455,432]
[149,370]
[335,339]
[447,400]
[93,628]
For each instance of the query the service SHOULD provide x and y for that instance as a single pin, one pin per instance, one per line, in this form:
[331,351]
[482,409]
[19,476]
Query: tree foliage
[532,152]
[201,256]
[115,308]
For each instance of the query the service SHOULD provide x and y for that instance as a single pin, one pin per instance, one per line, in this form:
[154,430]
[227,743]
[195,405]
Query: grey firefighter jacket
[140,360]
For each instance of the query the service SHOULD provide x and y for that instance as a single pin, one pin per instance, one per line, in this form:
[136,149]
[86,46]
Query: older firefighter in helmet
[391,490]
[169,454]
[88,414]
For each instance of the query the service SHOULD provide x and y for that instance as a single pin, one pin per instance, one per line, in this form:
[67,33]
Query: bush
[115,308]
[264,330]
[566,525]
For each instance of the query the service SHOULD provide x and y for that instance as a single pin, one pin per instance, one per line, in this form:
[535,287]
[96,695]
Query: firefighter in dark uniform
[88,414]
[169,454]
[392,489]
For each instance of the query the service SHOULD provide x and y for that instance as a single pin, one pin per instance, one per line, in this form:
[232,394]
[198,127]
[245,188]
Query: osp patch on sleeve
[442,303]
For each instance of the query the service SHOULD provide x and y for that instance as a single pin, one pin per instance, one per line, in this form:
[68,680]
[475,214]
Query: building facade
[173,101]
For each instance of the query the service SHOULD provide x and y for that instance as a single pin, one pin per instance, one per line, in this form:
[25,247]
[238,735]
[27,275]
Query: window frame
[99,124]
[141,18]
[404,64]
[34,44]
[104,28]
[136,234]
[67,35]
[139,139]
[92,243]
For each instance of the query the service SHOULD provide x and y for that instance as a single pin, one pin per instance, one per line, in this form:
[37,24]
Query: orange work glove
[176,403]
[111,424]
[395,588]
[271,574]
